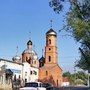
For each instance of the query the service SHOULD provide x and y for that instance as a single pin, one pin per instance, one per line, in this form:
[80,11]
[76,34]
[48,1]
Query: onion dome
[32,53]
[29,42]
[29,51]
[51,32]
[15,58]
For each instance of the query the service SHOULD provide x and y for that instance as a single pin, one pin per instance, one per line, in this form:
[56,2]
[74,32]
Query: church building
[49,70]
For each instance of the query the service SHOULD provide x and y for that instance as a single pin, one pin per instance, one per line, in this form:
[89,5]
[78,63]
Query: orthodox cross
[51,23]
[16,50]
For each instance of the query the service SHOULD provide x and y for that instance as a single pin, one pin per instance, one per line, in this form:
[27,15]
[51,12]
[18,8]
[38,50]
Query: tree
[56,5]
[78,25]
[66,74]
[77,78]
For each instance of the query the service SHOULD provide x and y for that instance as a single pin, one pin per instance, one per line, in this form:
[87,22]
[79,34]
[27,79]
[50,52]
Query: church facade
[50,71]
[29,68]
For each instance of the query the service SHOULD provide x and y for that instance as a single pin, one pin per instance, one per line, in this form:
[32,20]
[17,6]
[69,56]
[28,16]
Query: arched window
[49,41]
[57,82]
[46,73]
[49,58]
[34,62]
[25,80]
[46,42]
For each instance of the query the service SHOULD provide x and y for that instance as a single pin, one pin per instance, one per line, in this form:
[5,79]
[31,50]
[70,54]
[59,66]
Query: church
[29,68]
[49,70]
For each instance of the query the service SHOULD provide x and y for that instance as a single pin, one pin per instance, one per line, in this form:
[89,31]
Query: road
[74,88]
[70,88]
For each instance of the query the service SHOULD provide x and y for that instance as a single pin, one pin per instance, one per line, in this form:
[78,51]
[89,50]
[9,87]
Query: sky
[21,20]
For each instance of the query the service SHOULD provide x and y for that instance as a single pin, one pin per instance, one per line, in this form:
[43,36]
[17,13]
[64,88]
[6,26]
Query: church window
[25,73]
[35,73]
[46,42]
[49,41]
[19,77]
[25,80]
[49,58]
[57,82]
[31,72]
[49,48]
[34,62]
[46,73]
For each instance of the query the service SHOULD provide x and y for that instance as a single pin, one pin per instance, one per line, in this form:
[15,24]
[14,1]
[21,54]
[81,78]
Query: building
[66,81]
[50,72]
[20,68]
[30,56]
[28,68]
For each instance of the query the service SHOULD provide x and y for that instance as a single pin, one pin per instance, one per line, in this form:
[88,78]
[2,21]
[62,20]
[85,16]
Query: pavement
[74,88]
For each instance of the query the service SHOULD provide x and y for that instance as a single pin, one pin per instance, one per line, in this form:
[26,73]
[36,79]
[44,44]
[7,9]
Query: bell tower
[51,47]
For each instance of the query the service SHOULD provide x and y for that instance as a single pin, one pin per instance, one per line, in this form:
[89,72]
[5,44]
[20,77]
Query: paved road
[70,88]
[75,88]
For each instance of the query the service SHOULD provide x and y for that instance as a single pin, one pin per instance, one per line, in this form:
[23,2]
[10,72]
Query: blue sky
[19,17]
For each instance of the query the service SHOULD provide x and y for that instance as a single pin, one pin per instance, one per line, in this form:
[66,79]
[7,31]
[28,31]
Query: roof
[10,61]
[8,71]
[29,42]
[65,79]
[42,59]
[16,57]
[51,32]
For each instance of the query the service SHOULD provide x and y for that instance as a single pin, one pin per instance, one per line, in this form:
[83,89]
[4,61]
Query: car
[48,86]
[33,86]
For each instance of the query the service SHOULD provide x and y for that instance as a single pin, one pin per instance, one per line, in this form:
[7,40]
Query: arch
[46,73]
[57,82]
[35,62]
[49,41]
[49,58]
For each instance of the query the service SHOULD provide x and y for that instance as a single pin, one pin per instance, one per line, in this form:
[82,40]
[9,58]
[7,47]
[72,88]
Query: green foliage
[78,24]
[77,78]
[56,5]
[66,74]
